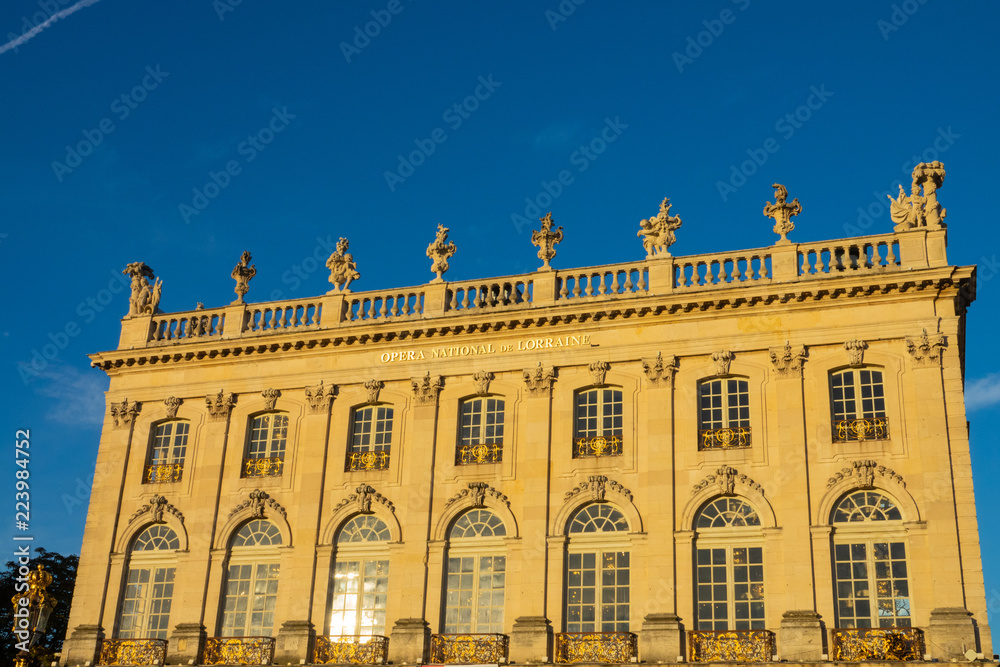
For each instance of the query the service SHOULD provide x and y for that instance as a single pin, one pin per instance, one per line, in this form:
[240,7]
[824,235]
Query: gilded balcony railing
[724,438]
[239,651]
[163,472]
[859,430]
[468,649]
[351,650]
[368,461]
[468,455]
[730,645]
[614,647]
[133,652]
[861,644]
[597,446]
[268,467]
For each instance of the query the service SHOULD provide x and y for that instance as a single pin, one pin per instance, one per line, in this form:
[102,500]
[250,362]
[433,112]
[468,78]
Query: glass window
[480,431]
[724,413]
[266,445]
[371,438]
[870,572]
[476,574]
[251,585]
[857,399]
[359,583]
[597,571]
[149,586]
[166,453]
[597,427]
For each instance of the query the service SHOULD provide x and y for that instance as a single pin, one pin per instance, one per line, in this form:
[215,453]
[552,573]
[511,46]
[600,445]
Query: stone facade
[655,333]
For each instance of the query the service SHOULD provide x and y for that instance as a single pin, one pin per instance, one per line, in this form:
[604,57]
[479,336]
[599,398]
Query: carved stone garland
[373,387]
[427,388]
[319,398]
[659,370]
[270,398]
[172,403]
[539,381]
[124,413]
[788,361]
[219,405]
[156,506]
[863,473]
[478,491]
[363,497]
[726,478]
[482,381]
[722,359]
[926,349]
[856,352]
[257,502]
[599,369]
[597,486]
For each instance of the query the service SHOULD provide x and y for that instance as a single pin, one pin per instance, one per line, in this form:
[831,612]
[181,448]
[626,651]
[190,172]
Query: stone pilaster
[293,642]
[800,638]
[186,644]
[408,641]
[531,640]
[662,639]
[82,645]
[951,633]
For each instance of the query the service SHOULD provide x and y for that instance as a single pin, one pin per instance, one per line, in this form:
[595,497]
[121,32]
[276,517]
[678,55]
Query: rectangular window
[371,438]
[857,400]
[872,588]
[166,455]
[597,592]
[474,601]
[480,431]
[724,413]
[251,594]
[359,595]
[730,593]
[145,612]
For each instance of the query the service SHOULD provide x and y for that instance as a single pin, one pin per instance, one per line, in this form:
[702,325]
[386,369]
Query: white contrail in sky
[14,43]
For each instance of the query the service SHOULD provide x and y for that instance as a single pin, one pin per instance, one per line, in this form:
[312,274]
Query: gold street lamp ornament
[32,607]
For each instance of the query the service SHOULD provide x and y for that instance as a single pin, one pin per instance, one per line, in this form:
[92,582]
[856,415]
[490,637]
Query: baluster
[627,287]
[563,289]
[822,261]
[615,287]
[576,285]
[642,280]
[590,284]
[717,269]
[737,275]
[394,311]
[876,260]
[465,298]
[370,308]
[724,270]
[763,268]
[890,258]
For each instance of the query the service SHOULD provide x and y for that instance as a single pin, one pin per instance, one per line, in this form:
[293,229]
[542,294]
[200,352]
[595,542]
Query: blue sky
[180,134]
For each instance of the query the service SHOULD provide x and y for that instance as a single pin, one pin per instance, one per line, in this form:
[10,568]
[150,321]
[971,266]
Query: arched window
[729,566]
[724,413]
[166,452]
[597,570]
[597,422]
[251,587]
[480,437]
[869,554]
[149,585]
[857,400]
[359,583]
[266,445]
[476,574]
[371,438]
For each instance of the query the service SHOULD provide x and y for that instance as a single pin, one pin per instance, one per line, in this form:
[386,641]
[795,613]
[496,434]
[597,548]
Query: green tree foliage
[63,571]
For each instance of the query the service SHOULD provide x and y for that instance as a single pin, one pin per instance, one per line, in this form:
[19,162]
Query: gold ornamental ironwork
[133,652]
[478,454]
[368,461]
[351,650]
[724,438]
[163,472]
[870,428]
[612,647]
[730,645]
[597,446]
[271,467]
[239,651]
[468,649]
[32,608]
[861,644]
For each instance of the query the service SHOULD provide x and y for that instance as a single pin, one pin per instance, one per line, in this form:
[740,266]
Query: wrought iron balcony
[133,652]
[157,473]
[468,649]
[859,430]
[368,461]
[351,650]
[239,651]
[861,644]
[597,446]
[724,438]
[271,467]
[730,645]
[468,455]
[612,647]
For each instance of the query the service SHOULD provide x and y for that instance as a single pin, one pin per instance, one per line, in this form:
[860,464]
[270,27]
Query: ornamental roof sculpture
[920,210]
[658,232]
[145,298]
[782,212]
[343,268]
[546,240]
[242,274]
[439,251]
